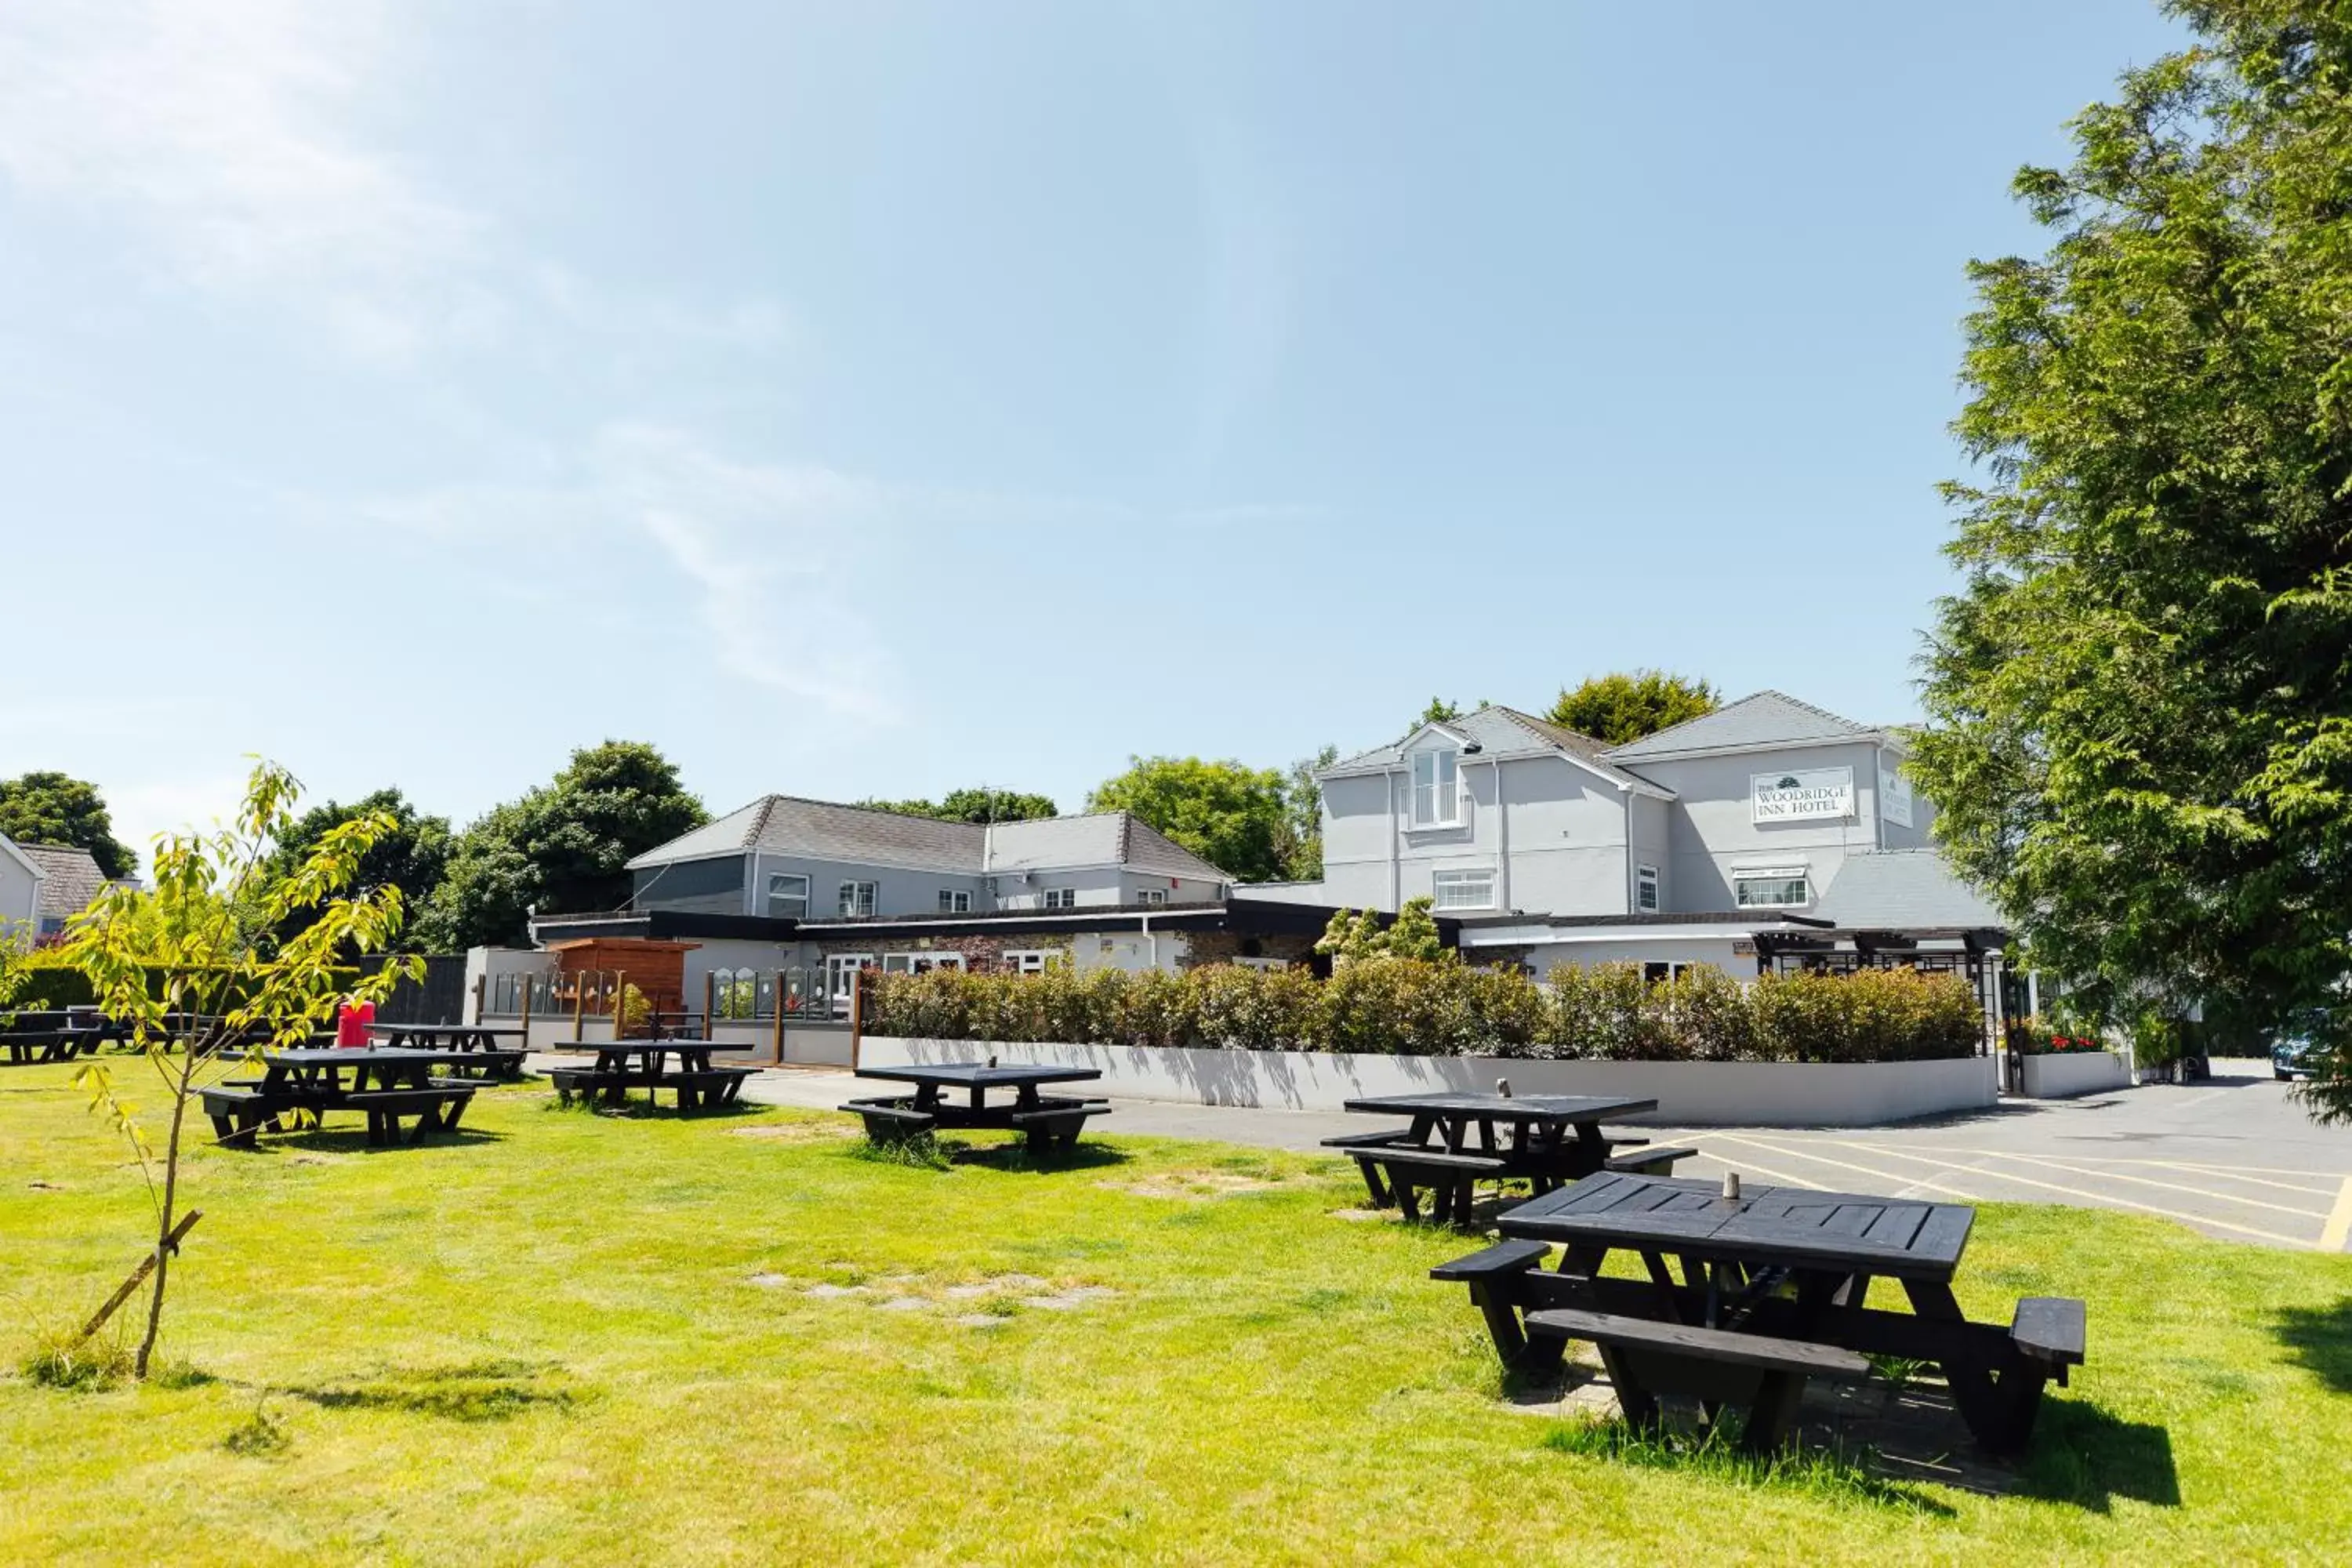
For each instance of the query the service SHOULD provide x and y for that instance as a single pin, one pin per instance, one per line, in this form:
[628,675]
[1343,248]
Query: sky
[877,399]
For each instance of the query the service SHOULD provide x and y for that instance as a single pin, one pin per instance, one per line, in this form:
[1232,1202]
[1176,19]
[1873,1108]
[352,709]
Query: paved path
[2234,1157]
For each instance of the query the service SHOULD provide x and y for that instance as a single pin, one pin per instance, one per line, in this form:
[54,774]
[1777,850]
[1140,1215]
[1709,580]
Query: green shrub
[1414,1006]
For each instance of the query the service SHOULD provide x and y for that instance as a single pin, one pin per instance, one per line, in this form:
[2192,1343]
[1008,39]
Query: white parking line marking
[2147,1182]
[1746,1166]
[2103,1198]
[1865,1170]
[2338,1229]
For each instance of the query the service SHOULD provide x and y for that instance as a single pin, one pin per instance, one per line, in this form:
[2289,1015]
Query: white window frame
[1646,890]
[1800,877]
[1030,959]
[1155,896]
[1464,876]
[853,894]
[839,968]
[955,901]
[777,880]
[919,961]
[1060,898]
[1675,968]
[1262,964]
[1445,773]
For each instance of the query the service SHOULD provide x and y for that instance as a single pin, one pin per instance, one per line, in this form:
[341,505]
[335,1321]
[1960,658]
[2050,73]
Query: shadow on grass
[1829,1475]
[635,1110]
[493,1390]
[2320,1338]
[927,1151]
[354,1141]
[2083,1456]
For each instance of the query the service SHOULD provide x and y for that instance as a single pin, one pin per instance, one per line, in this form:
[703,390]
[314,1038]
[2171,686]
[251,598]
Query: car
[2295,1054]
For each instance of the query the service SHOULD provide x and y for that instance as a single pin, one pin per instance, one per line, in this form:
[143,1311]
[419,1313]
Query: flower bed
[1411,1008]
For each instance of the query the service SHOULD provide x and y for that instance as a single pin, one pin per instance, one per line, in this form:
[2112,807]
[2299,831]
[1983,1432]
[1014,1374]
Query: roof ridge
[760,823]
[1801,702]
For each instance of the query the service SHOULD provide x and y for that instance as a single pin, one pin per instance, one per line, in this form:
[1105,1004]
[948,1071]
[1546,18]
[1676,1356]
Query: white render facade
[1741,823]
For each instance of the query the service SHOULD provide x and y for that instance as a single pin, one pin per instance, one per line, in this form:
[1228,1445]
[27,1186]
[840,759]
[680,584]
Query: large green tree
[1624,705]
[1298,847]
[54,809]
[411,849]
[2141,698]
[562,848]
[977,804]
[1230,815]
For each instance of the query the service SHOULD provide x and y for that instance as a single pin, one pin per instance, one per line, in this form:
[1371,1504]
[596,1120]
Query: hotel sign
[1820,795]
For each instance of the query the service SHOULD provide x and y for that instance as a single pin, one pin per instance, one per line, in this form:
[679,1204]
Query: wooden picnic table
[624,1065]
[1774,1291]
[1049,1122]
[1454,1138]
[450,1036]
[386,1083]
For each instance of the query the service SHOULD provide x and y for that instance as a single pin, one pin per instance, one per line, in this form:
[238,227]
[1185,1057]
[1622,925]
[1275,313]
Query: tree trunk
[163,1225]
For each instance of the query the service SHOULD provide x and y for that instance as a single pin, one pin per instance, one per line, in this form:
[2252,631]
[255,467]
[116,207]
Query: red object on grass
[351,1024]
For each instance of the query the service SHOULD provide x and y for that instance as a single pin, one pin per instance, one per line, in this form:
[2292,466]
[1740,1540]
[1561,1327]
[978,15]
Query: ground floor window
[840,974]
[1033,960]
[1463,889]
[1777,888]
[920,962]
[1263,963]
[1658,973]
[1061,898]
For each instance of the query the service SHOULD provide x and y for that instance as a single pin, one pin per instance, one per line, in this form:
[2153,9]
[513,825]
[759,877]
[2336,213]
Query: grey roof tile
[1504,729]
[1764,719]
[1905,889]
[70,878]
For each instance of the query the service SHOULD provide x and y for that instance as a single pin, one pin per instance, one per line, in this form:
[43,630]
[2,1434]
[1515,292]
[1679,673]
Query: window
[840,973]
[1436,796]
[1061,898]
[1655,973]
[920,962]
[1263,964]
[1645,889]
[954,902]
[1036,961]
[1778,889]
[1152,897]
[788,896]
[856,898]
[1461,889]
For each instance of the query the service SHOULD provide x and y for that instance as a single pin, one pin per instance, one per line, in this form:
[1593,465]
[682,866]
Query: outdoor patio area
[745,1335]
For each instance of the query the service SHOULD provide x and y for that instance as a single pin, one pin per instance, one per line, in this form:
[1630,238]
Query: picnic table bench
[23,1046]
[312,1081]
[1773,1292]
[1049,1123]
[624,1065]
[1454,1138]
[485,1037]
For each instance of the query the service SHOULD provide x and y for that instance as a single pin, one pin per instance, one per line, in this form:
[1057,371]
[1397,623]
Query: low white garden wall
[1689,1094]
[2075,1072]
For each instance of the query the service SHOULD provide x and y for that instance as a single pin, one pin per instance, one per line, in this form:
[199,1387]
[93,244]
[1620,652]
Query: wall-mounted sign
[1894,796]
[1811,797]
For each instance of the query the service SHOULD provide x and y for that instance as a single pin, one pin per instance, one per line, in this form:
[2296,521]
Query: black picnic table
[21,1046]
[450,1036]
[384,1082]
[1049,1122]
[1457,1137]
[624,1065]
[1774,1288]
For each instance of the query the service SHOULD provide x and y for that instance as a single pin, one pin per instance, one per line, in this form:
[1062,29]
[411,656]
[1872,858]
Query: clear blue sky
[877,399]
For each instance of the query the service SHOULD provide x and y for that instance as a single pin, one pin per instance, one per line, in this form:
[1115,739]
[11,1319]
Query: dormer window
[1436,789]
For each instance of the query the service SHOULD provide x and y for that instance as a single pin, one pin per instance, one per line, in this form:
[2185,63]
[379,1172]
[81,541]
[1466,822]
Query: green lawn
[585,1339]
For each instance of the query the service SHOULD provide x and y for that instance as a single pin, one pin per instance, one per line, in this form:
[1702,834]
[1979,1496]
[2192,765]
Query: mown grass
[585,1339]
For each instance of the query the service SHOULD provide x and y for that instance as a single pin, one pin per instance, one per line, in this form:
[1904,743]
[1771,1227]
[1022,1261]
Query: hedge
[1409,1008]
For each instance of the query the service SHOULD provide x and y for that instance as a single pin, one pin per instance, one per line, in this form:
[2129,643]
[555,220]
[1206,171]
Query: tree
[183,949]
[2140,700]
[412,855]
[563,847]
[1441,711]
[51,808]
[1298,847]
[979,805]
[1359,938]
[1622,706]
[1230,815]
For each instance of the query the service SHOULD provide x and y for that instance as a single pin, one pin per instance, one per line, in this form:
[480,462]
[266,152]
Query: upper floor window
[1461,889]
[954,902]
[1773,890]
[1436,791]
[1061,898]
[788,896]
[1152,896]
[1645,889]
[856,898]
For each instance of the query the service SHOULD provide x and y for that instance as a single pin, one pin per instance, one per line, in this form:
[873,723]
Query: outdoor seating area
[387,1085]
[1773,1292]
[1454,1141]
[681,1067]
[1049,1123]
